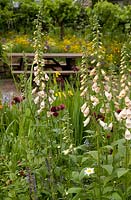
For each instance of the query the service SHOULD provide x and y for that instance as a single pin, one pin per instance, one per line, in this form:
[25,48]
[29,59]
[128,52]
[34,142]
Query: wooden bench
[52,62]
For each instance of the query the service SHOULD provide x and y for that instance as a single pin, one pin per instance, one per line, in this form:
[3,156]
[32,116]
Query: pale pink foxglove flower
[86,122]
[94,86]
[127,135]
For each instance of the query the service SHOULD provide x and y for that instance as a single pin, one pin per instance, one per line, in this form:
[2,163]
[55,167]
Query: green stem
[99,166]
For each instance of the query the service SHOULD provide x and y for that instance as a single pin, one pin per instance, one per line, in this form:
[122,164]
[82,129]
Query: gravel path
[7,89]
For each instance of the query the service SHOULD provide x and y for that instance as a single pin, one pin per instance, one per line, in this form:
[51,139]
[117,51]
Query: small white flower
[127,135]
[86,122]
[89,171]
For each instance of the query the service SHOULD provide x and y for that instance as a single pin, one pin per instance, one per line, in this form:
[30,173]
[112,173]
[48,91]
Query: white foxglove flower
[46,77]
[128,123]
[103,72]
[110,126]
[108,95]
[97,90]
[128,113]
[127,101]
[122,94]
[86,112]
[94,86]
[36,100]
[83,107]
[127,135]
[39,111]
[103,124]
[98,64]
[86,122]
[84,92]
[95,78]
[42,105]
[102,110]
[118,117]
[123,113]
[93,72]
[41,94]
[34,90]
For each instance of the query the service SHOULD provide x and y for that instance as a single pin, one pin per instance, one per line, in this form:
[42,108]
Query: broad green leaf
[75,176]
[116,196]
[74,190]
[121,172]
[94,154]
[108,168]
[118,142]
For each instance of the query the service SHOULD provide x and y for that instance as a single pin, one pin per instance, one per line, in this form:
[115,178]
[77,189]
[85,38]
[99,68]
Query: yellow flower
[70,93]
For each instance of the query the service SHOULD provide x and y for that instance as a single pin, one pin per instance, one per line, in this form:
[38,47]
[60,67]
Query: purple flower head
[55,114]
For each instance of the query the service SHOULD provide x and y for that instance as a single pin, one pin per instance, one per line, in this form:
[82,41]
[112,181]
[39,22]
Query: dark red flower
[53,109]
[62,107]
[118,111]
[17,99]
[108,136]
[55,114]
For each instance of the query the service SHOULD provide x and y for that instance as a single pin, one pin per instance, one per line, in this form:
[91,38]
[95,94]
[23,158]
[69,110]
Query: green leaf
[121,172]
[116,196]
[94,154]
[74,190]
[75,176]
[108,168]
